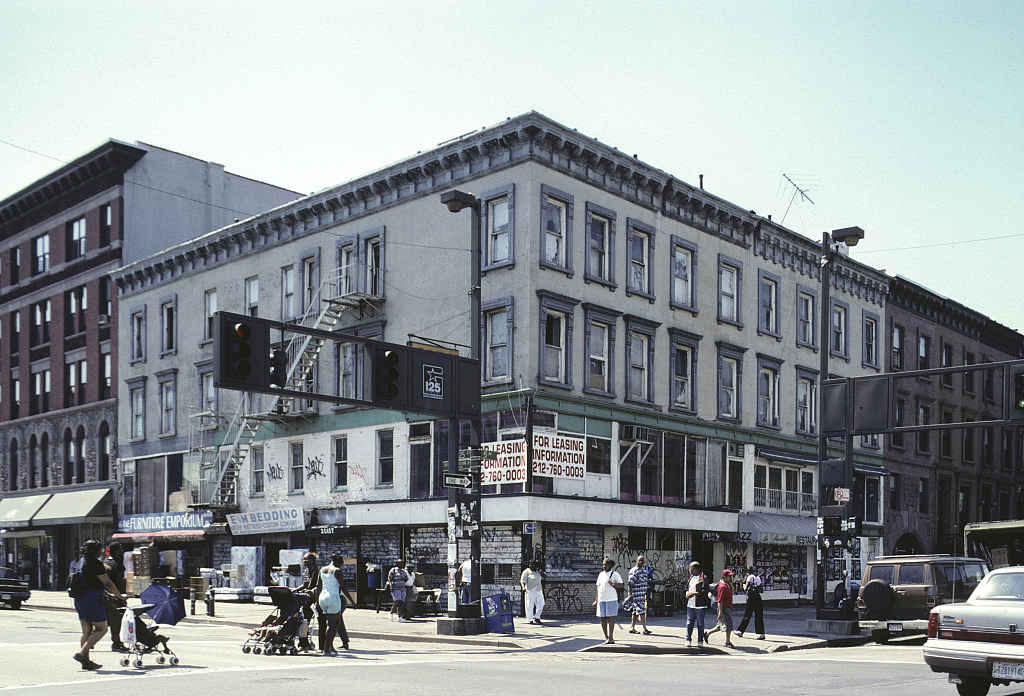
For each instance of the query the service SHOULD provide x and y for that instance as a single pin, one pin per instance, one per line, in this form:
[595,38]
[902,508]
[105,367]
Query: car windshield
[7,574]
[1002,586]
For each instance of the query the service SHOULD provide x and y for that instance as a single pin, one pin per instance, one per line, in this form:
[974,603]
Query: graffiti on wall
[314,467]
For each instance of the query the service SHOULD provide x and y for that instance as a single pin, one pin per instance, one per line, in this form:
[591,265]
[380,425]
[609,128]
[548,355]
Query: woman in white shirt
[609,582]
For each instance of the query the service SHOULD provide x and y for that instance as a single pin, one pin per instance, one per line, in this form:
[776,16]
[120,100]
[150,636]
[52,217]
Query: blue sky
[905,118]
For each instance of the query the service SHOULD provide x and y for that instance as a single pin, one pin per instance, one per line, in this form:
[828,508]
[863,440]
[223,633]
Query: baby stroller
[280,631]
[146,640]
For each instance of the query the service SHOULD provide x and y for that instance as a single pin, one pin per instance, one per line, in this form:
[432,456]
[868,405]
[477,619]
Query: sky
[903,118]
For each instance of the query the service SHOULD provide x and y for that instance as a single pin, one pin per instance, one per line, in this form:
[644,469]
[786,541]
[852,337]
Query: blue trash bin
[497,611]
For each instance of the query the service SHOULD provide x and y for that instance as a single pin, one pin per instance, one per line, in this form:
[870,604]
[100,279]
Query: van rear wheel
[973,686]
[881,635]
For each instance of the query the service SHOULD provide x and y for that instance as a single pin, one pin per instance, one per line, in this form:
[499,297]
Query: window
[599,455]
[310,284]
[839,343]
[340,462]
[768,303]
[207,392]
[15,331]
[258,471]
[640,359]
[39,399]
[556,229]
[137,398]
[969,375]
[105,305]
[288,293]
[768,392]
[138,335]
[897,347]
[895,491]
[168,402]
[898,422]
[924,349]
[209,309]
[348,270]
[870,336]
[374,260]
[498,219]
[296,473]
[168,326]
[498,329]
[15,265]
[683,365]
[106,224]
[75,239]
[40,333]
[348,370]
[946,360]
[729,291]
[15,397]
[684,263]
[599,344]
[600,266]
[106,376]
[75,310]
[75,378]
[922,495]
[640,245]
[40,254]
[806,402]
[556,338]
[252,296]
[385,457]
[729,376]
[924,416]
[946,436]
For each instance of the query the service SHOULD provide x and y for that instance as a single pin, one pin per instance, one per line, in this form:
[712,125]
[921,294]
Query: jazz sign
[557,456]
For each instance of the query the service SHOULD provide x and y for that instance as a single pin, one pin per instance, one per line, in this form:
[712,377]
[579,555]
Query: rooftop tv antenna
[797,192]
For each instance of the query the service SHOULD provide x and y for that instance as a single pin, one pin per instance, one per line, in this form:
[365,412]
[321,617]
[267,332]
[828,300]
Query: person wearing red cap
[723,599]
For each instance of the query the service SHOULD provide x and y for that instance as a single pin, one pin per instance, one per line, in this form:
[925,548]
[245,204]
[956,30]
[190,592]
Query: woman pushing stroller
[91,607]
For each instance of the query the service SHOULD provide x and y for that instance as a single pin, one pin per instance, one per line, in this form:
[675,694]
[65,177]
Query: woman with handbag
[609,585]
[90,605]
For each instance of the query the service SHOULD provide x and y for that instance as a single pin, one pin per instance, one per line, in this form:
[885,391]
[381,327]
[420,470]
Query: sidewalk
[786,626]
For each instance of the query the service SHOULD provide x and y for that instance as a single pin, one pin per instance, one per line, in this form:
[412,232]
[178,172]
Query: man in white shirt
[532,582]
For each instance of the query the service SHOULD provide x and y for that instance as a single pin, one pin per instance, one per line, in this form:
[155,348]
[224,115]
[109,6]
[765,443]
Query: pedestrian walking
[753,586]
[723,602]
[411,590]
[464,581]
[637,587]
[532,582]
[396,583]
[310,581]
[609,583]
[92,612]
[697,601]
[115,608]
[332,597]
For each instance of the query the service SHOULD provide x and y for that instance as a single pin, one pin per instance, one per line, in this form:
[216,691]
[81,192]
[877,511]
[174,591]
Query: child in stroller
[283,627]
[146,641]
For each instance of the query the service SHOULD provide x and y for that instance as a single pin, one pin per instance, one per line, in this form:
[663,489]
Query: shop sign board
[164,522]
[267,521]
[554,455]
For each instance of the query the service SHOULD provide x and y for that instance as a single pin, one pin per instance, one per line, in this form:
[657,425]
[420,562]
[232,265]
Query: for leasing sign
[554,455]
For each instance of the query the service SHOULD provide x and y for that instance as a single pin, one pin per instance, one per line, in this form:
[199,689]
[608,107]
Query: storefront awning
[18,511]
[74,507]
[182,535]
[766,528]
[775,455]
[869,470]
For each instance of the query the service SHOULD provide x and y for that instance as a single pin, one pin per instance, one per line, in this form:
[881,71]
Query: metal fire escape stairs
[324,312]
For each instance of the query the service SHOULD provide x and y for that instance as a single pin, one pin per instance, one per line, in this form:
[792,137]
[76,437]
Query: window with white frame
[684,370]
[924,349]
[288,306]
[839,343]
[138,335]
[40,254]
[946,360]
[76,239]
[385,457]
[76,303]
[252,296]
[348,370]
[640,246]
[729,309]
[768,303]
[207,392]
[870,335]
[347,270]
[168,326]
[498,212]
[556,338]
[556,229]
[730,375]
[684,258]
[137,401]
[209,310]
[310,283]
[806,402]
[106,365]
[639,359]
[167,383]
[297,469]
[600,266]
[768,392]
[106,224]
[498,329]
[258,470]
[340,472]
[599,342]
[373,258]
[897,347]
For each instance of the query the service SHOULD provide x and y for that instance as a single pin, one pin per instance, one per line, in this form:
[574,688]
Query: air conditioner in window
[635,433]
[104,319]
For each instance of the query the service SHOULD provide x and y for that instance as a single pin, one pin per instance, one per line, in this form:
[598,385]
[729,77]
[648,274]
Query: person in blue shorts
[609,582]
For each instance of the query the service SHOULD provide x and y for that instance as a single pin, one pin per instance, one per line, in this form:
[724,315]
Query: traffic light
[241,347]
[279,368]
[1015,395]
[391,365]
[832,526]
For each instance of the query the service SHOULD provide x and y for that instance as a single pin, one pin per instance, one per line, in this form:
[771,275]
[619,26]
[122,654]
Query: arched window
[44,455]
[33,461]
[69,457]
[12,478]
[104,459]
[80,455]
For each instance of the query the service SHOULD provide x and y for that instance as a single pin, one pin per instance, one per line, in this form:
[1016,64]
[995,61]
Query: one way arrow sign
[458,481]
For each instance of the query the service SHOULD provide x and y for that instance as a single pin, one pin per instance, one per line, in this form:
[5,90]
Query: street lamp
[457,201]
[848,236]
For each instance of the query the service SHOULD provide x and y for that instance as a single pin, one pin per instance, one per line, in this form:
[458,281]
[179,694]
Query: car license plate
[894,627]
[1008,670]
